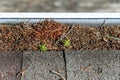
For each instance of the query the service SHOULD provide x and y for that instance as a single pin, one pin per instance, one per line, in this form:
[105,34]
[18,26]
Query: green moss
[43,47]
[66,42]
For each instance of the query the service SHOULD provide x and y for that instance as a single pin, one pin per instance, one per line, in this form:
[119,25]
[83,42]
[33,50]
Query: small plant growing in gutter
[43,47]
[66,42]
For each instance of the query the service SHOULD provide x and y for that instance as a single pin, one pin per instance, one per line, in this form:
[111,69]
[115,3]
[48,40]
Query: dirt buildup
[98,38]
[28,36]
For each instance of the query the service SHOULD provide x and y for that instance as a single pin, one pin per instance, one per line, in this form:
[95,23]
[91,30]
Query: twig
[70,29]
[1,74]
[26,23]
[64,34]
[114,38]
[54,72]
[102,23]
[101,27]
[22,72]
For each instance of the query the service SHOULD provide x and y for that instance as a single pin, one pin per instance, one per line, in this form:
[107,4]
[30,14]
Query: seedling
[66,42]
[43,47]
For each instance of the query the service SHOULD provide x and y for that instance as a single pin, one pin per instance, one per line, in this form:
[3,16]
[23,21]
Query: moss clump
[43,47]
[66,42]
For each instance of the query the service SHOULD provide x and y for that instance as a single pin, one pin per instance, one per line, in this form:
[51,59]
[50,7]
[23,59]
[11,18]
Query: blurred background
[60,5]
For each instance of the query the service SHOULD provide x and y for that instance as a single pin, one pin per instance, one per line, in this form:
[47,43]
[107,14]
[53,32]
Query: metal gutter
[71,18]
[89,21]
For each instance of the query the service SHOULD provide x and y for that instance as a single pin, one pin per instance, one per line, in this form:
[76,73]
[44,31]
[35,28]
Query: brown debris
[23,38]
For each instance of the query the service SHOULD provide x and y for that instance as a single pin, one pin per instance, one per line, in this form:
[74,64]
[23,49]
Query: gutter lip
[75,21]
[57,15]
[69,18]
